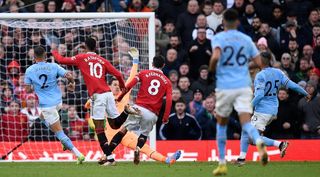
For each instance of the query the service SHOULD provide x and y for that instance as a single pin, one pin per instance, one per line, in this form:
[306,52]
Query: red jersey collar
[156,69]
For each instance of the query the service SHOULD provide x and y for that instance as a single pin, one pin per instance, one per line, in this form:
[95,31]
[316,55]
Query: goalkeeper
[130,139]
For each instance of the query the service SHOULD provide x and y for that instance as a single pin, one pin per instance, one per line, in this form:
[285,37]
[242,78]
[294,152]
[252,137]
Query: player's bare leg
[103,141]
[221,137]
[116,123]
[255,136]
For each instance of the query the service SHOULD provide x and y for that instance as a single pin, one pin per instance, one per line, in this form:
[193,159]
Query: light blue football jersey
[237,49]
[43,77]
[269,80]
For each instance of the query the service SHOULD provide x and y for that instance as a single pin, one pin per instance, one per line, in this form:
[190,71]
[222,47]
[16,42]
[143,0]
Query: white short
[103,103]
[50,114]
[239,99]
[146,121]
[260,120]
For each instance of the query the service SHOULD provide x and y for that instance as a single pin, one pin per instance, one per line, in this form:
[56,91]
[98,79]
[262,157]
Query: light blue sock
[252,132]
[64,139]
[270,142]
[244,144]
[221,137]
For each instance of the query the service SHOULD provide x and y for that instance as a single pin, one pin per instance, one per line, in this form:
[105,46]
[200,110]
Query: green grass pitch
[154,169]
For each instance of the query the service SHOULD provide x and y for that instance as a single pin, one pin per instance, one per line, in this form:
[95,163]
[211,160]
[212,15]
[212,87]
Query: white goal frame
[112,15]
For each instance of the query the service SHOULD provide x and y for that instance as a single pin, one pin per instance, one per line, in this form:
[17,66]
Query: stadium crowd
[289,29]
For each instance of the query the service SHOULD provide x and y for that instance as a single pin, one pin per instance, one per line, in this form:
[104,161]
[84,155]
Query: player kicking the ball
[266,86]
[130,139]
[154,86]
[42,77]
[94,69]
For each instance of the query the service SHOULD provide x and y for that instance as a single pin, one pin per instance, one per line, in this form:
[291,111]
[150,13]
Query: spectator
[173,77]
[181,125]
[137,6]
[215,19]
[13,70]
[306,29]
[207,120]
[239,6]
[287,33]
[32,110]
[307,52]
[315,56]
[19,91]
[287,65]
[52,7]
[162,39]
[184,70]
[171,9]
[6,98]
[184,84]
[4,62]
[264,9]
[310,111]
[91,6]
[294,50]
[14,124]
[286,123]
[8,44]
[301,8]
[195,106]
[265,31]
[203,82]
[278,17]
[207,8]
[176,95]
[169,27]
[175,43]
[171,62]
[304,68]
[39,7]
[202,23]
[10,4]
[253,31]
[199,52]
[154,6]
[247,18]
[186,21]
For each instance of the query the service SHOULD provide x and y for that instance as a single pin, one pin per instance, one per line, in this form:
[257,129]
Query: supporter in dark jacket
[181,125]
[170,10]
[204,82]
[186,22]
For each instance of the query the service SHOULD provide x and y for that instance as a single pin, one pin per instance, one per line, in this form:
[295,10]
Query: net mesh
[20,123]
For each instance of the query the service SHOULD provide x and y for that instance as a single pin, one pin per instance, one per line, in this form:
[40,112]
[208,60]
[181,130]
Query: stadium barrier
[299,150]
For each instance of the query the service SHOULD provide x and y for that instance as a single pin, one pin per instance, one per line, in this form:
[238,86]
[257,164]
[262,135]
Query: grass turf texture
[153,169]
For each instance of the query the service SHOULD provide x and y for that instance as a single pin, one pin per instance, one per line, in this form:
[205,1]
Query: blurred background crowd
[289,29]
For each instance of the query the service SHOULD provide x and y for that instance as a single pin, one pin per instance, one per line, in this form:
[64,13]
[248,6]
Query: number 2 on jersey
[153,89]
[45,80]
[94,68]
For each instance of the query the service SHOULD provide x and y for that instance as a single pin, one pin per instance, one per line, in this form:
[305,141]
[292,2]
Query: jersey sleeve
[254,51]
[215,43]
[284,79]
[27,78]
[113,71]
[168,102]
[259,86]
[66,60]
[61,71]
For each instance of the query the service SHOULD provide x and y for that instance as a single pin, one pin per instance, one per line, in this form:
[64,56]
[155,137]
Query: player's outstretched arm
[63,60]
[128,87]
[214,59]
[113,71]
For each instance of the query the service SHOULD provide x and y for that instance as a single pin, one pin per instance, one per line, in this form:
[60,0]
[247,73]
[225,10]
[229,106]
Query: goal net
[21,130]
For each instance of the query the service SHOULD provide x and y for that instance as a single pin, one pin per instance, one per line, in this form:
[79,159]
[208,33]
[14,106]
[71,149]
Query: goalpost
[24,134]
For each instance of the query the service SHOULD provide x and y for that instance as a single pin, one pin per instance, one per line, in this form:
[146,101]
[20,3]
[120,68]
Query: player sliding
[266,86]
[154,86]
[42,77]
[94,69]
[130,139]
[232,51]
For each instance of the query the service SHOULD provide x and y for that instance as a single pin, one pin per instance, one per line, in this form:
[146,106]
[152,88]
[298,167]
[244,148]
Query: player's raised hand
[134,52]
[308,97]
[71,86]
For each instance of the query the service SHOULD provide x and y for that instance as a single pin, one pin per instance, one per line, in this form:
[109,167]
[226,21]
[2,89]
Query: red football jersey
[154,86]
[93,69]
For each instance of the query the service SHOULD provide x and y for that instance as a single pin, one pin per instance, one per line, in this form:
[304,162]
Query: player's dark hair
[158,61]
[230,15]
[90,44]
[266,58]
[112,79]
[39,52]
